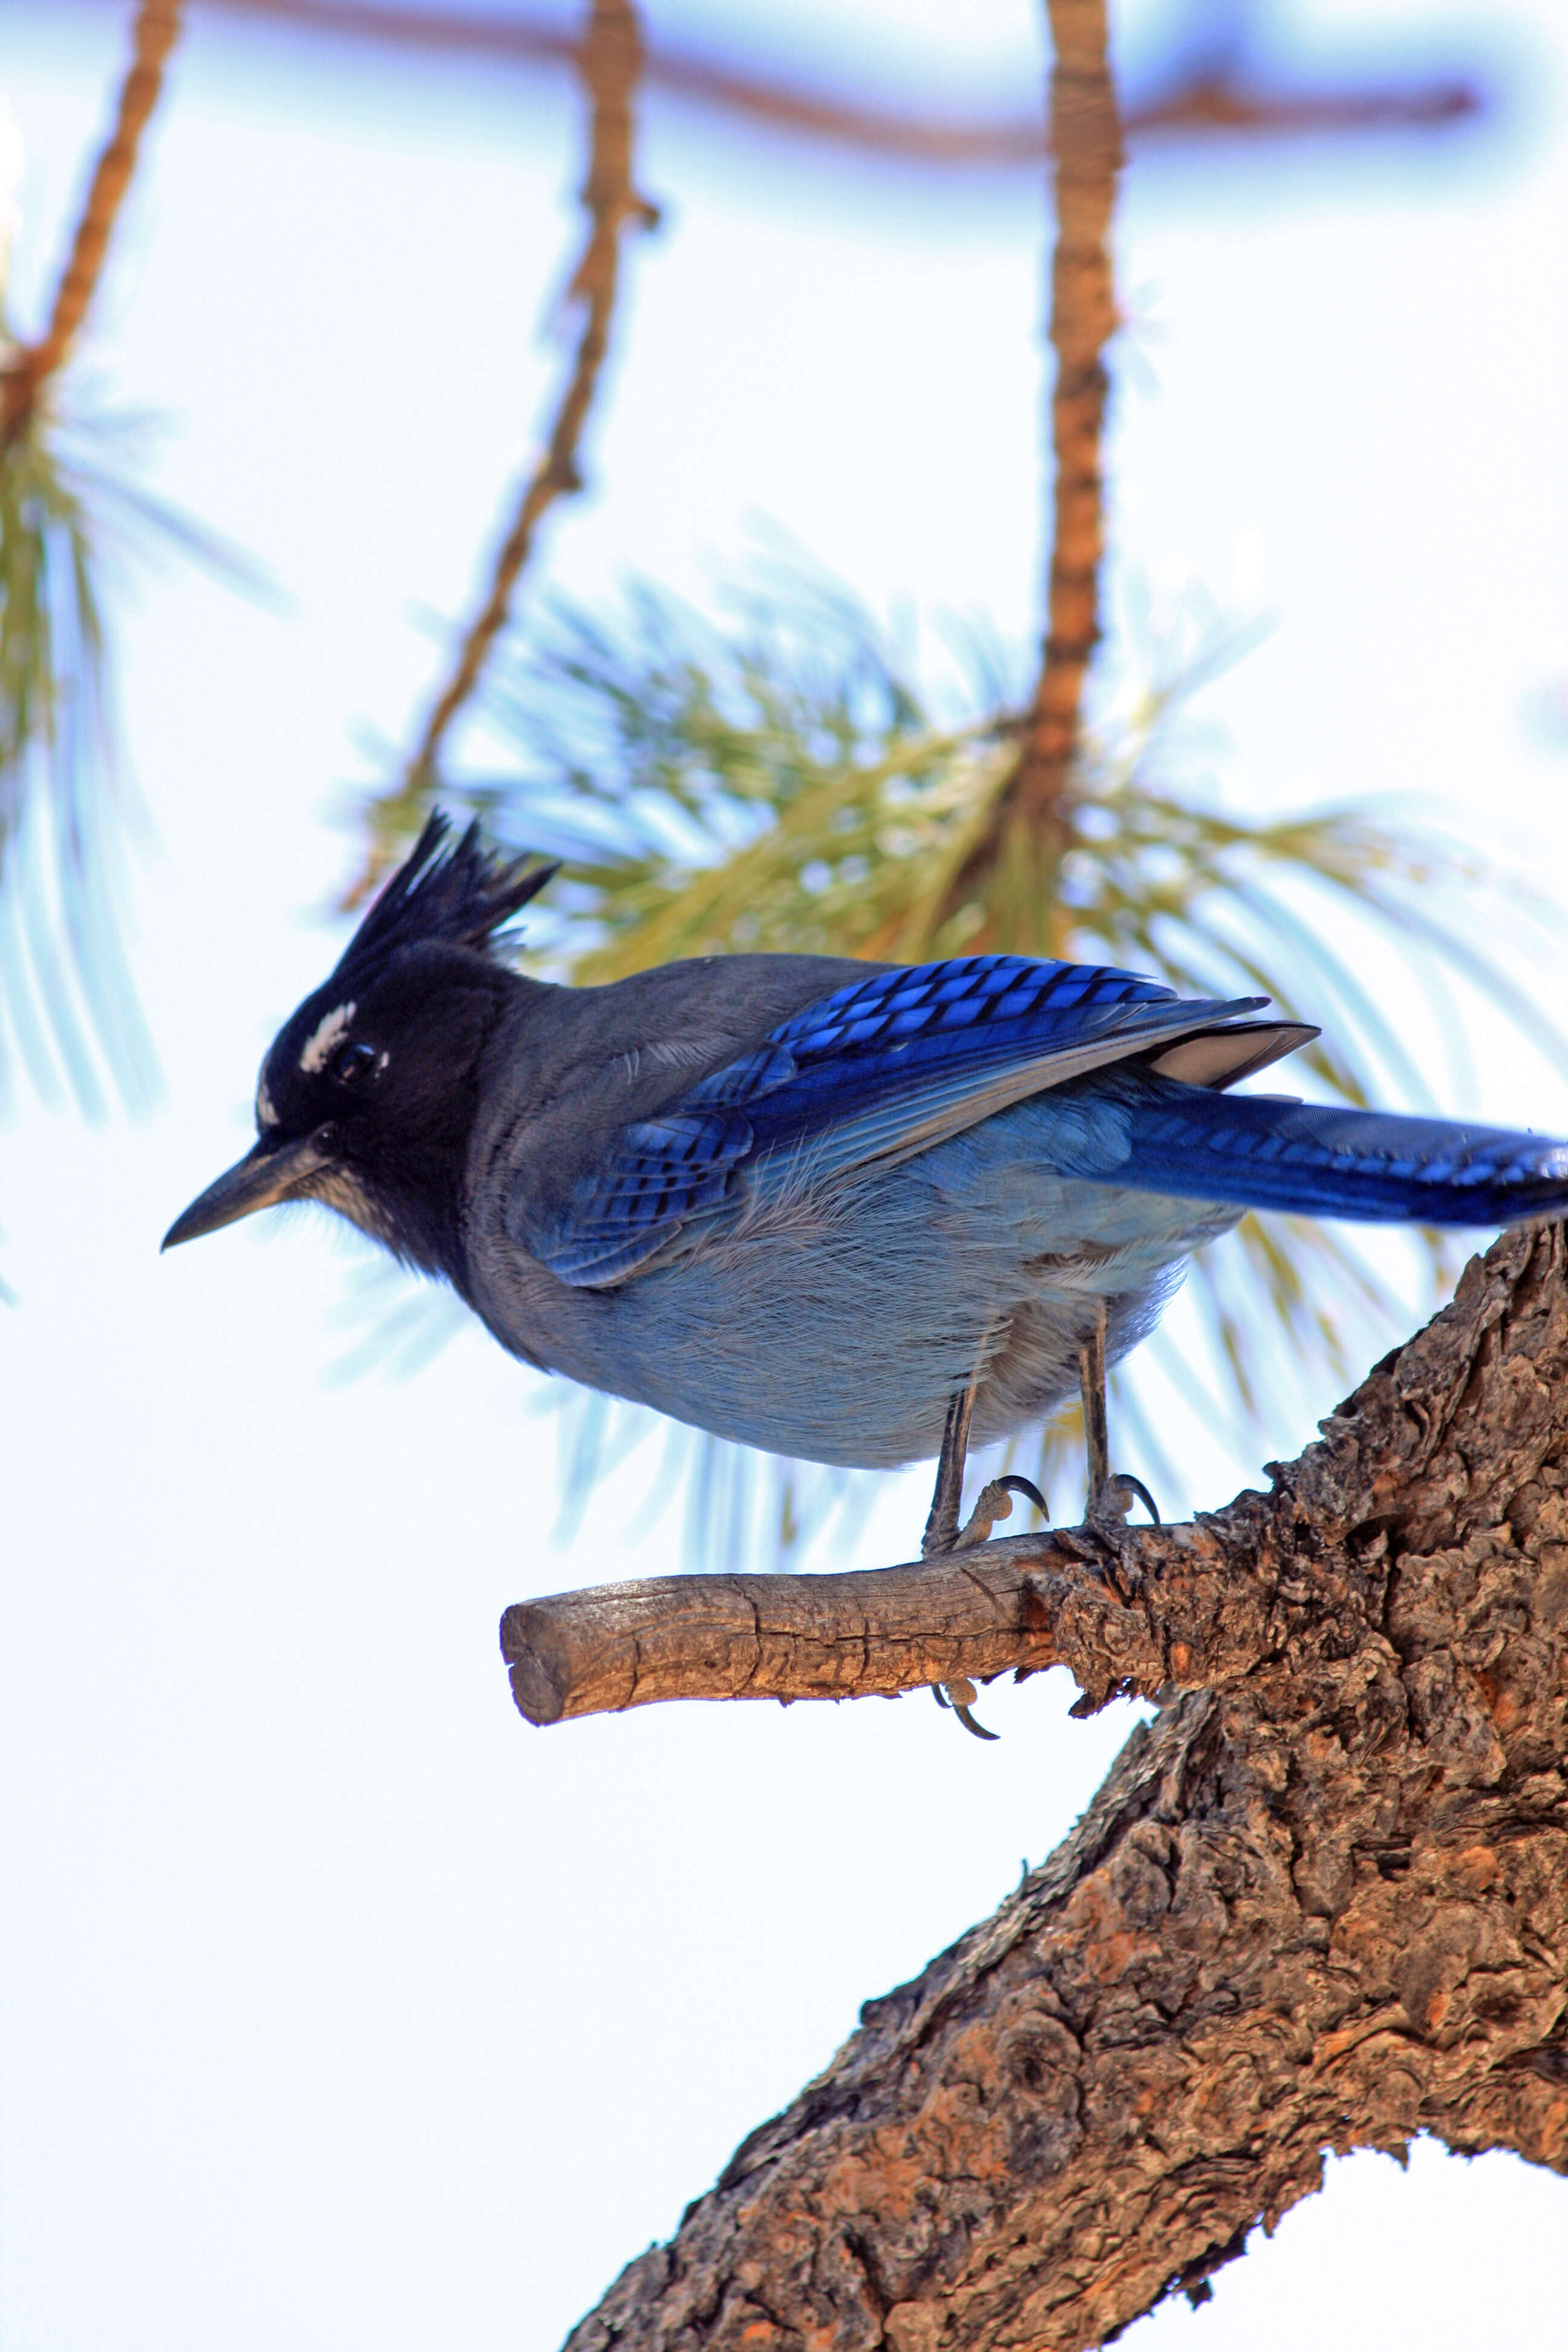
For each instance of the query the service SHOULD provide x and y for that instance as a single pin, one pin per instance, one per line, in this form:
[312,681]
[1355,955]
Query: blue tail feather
[1314,1161]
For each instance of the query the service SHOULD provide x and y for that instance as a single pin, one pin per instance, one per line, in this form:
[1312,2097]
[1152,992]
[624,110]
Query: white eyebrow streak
[265,1114]
[327,1034]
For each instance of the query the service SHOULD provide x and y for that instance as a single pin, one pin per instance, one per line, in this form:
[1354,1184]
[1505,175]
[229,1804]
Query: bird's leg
[942,1529]
[1107,1506]
[942,1532]
[941,1525]
[1091,1384]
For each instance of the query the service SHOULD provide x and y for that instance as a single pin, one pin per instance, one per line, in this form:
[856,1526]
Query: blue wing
[878,1070]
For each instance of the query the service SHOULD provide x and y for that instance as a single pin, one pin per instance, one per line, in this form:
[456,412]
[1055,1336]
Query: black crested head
[458,896]
[369,1091]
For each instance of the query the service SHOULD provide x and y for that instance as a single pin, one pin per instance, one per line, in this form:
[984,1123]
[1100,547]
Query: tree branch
[1185,1604]
[29,369]
[611,60]
[1197,1606]
[1012,871]
[1086,139]
[1207,103]
[1322,1904]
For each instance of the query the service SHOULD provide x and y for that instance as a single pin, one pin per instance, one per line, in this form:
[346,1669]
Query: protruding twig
[156,30]
[1190,1605]
[612,64]
[1026,1603]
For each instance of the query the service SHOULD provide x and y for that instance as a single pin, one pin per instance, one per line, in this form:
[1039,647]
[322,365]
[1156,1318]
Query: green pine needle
[71,514]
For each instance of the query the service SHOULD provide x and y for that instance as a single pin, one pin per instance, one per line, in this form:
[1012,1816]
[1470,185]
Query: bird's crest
[461,894]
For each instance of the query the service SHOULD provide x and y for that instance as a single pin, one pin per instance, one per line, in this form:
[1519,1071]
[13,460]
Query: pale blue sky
[341,2008]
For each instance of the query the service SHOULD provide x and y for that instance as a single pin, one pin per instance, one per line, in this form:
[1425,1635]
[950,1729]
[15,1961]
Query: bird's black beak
[271,1171]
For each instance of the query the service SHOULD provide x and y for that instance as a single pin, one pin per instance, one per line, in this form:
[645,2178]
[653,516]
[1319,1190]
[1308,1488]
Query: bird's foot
[1106,1518]
[960,1696]
[1115,1499]
[993,1502]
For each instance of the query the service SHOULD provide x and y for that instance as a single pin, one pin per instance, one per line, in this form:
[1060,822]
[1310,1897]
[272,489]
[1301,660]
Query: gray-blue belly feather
[834,1322]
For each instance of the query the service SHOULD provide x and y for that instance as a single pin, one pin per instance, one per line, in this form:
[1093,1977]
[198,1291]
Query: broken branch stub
[1164,1606]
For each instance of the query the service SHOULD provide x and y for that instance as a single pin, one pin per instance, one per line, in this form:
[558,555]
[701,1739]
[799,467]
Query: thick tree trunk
[1320,1903]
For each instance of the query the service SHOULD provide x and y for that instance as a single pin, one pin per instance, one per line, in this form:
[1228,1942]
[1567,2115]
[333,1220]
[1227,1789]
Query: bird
[855,1212]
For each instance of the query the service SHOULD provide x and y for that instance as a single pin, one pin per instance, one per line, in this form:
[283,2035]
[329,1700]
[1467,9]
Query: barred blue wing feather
[662,1174]
[876,1071]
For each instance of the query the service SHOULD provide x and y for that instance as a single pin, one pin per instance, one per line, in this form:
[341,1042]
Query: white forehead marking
[265,1114]
[327,1034]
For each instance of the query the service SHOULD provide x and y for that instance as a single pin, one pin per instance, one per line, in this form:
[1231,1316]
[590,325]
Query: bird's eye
[354,1062]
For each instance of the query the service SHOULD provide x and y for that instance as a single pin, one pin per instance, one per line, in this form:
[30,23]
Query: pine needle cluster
[68,1010]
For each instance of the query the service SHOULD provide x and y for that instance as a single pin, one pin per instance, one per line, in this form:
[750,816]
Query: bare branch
[1206,105]
[1216,105]
[1320,1904]
[1182,1604]
[1198,1606]
[611,63]
[156,30]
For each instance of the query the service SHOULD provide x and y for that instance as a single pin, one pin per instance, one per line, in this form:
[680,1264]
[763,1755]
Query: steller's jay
[855,1212]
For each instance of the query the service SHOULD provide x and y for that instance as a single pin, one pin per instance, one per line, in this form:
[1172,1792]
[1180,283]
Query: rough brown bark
[29,369]
[1320,1904]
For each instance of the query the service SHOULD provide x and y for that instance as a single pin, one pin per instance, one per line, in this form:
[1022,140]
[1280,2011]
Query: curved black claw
[969,1723]
[960,1709]
[1136,1486]
[1015,1484]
